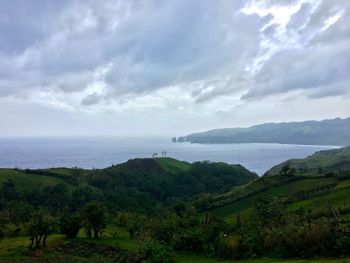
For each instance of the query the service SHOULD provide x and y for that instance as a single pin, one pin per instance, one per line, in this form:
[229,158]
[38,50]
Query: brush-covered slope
[322,161]
[138,184]
[314,189]
[167,178]
[326,132]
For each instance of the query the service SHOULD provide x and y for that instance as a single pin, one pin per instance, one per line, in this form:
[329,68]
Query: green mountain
[326,180]
[326,132]
[319,162]
[136,185]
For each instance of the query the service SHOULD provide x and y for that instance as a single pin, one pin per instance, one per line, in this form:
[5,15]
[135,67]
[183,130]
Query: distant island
[327,132]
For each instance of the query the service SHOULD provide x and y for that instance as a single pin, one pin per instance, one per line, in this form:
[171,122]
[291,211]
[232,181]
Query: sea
[101,152]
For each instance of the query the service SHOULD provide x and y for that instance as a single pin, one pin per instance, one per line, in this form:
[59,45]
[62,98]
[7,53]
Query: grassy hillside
[144,210]
[138,184]
[173,165]
[314,182]
[30,181]
[110,249]
[327,132]
[320,162]
[303,192]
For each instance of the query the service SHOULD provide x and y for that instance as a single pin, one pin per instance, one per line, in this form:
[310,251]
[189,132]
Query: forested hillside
[136,185]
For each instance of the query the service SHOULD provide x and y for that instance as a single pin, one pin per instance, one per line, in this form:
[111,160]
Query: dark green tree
[94,218]
[8,190]
[70,224]
[39,228]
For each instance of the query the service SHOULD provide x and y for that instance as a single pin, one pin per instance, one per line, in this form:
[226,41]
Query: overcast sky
[170,67]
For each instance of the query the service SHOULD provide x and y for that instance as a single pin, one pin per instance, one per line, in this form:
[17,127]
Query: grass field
[329,160]
[15,250]
[191,258]
[337,195]
[24,181]
[173,165]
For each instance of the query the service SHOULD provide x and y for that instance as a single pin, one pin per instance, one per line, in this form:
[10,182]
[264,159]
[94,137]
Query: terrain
[165,210]
[304,183]
[326,132]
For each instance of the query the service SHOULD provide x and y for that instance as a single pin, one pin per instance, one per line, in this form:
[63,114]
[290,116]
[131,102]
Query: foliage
[94,218]
[39,228]
[155,251]
[70,223]
[154,203]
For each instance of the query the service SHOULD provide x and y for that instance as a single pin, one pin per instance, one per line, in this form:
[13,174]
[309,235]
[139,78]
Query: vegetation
[326,132]
[164,210]
[320,162]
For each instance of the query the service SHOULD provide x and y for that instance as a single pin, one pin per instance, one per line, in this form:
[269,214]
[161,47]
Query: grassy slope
[14,250]
[329,160]
[241,199]
[152,166]
[190,258]
[173,165]
[26,181]
[337,195]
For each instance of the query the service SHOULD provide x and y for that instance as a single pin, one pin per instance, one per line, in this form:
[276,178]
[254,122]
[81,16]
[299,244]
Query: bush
[70,225]
[39,228]
[10,230]
[155,251]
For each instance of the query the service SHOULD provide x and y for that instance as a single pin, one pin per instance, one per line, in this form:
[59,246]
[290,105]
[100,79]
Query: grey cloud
[159,44]
[150,45]
[91,99]
[319,69]
[193,42]
[319,65]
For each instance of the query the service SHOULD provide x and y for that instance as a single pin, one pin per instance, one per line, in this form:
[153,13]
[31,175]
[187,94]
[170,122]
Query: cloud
[206,50]
[314,60]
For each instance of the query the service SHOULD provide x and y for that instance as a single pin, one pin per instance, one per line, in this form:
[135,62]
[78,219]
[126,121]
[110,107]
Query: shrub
[155,251]
[70,225]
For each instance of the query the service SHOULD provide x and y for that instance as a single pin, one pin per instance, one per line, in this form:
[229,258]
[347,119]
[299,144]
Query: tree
[70,224]
[8,190]
[285,169]
[17,212]
[39,228]
[94,218]
[271,212]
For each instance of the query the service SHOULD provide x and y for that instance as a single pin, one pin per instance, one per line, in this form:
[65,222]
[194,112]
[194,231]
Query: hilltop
[326,132]
[138,184]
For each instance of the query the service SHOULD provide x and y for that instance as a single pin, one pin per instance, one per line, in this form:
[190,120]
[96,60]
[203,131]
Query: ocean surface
[102,152]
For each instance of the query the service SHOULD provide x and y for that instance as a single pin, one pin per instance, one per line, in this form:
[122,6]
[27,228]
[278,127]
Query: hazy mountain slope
[326,132]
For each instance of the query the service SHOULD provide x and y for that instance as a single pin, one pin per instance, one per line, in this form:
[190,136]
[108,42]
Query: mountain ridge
[326,132]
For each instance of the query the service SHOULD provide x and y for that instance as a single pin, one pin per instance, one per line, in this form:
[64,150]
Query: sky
[152,67]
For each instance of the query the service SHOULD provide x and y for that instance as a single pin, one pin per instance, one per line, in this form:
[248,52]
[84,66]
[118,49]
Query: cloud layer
[135,55]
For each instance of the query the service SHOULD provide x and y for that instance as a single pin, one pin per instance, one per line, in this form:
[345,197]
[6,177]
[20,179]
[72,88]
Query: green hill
[327,180]
[326,132]
[138,184]
[322,161]
[165,210]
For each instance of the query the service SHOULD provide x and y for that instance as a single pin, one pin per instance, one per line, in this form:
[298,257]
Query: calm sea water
[103,152]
